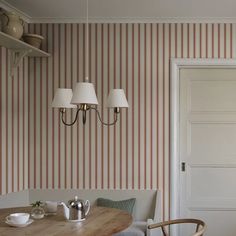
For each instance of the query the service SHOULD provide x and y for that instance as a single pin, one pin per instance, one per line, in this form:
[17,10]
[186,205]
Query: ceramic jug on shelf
[12,24]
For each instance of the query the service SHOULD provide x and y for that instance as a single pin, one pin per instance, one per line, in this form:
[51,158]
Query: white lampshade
[116,98]
[62,99]
[84,93]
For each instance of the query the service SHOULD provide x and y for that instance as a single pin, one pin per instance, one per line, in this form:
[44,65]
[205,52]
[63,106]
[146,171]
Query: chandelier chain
[87,46]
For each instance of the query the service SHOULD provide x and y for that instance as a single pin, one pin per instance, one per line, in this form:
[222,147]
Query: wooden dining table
[100,221]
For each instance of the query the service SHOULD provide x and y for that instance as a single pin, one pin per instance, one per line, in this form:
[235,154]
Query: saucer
[20,225]
[76,220]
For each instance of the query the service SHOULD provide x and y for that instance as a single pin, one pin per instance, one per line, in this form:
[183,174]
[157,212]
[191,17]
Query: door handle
[183,165]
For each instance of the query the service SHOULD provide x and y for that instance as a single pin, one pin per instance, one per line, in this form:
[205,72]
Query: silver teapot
[76,210]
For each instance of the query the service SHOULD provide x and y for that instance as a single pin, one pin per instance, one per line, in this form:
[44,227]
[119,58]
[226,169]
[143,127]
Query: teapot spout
[65,210]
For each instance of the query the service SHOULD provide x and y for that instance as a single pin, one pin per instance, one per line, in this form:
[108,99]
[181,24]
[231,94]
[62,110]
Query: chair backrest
[200,225]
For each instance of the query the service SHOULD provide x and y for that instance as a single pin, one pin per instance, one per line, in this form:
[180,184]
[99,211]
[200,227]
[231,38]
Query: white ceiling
[118,9]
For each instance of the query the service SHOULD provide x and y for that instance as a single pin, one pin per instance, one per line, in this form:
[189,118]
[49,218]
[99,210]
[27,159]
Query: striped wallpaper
[37,151]
[13,125]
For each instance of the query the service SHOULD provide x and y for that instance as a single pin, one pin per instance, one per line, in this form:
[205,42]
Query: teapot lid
[75,202]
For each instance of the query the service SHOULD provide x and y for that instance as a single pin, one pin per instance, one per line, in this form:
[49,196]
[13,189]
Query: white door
[208,148]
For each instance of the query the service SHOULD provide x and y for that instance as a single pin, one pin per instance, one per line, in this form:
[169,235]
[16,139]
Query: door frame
[176,65]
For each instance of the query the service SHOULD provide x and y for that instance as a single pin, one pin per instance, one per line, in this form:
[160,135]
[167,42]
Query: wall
[135,153]
[13,125]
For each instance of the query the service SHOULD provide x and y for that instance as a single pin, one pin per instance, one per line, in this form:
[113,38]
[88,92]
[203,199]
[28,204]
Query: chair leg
[197,228]
[164,231]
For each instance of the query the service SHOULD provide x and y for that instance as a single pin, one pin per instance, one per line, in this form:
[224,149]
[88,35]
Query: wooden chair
[200,225]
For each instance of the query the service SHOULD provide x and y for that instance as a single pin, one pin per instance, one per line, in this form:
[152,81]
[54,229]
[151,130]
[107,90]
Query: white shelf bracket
[16,57]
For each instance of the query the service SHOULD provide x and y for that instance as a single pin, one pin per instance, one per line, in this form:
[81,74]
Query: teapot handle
[87,203]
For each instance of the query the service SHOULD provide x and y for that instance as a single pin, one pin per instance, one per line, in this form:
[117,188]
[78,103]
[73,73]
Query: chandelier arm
[73,122]
[104,123]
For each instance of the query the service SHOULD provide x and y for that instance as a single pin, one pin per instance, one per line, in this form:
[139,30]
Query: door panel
[215,179]
[213,143]
[208,147]
[205,95]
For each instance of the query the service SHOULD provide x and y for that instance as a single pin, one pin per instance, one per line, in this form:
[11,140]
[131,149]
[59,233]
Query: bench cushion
[125,205]
[131,231]
[136,229]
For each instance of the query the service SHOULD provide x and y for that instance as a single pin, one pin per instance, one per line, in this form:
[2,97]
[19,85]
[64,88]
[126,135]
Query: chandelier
[83,96]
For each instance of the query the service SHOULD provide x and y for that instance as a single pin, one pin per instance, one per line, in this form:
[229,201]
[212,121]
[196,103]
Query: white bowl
[18,218]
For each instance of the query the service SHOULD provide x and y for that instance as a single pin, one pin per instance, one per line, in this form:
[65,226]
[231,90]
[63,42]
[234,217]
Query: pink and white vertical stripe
[13,125]
[37,151]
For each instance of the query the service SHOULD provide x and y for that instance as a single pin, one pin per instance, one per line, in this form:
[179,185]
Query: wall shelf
[19,49]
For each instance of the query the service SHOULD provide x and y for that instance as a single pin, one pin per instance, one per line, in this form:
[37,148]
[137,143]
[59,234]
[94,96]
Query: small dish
[30,221]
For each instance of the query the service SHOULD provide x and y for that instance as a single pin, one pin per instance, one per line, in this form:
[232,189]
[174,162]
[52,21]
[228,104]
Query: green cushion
[125,205]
